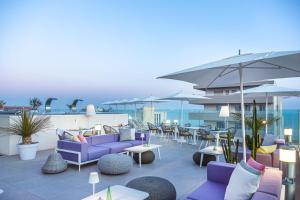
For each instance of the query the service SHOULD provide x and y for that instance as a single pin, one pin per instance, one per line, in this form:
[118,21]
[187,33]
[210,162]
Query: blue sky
[104,50]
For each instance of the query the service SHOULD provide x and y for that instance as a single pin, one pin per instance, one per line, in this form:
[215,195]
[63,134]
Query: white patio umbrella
[240,69]
[268,90]
[179,96]
[135,101]
[116,102]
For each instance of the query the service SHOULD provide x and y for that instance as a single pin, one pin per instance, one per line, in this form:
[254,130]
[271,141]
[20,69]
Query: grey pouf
[55,164]
[114,164]
[147,157]
[206,158]
[158,188]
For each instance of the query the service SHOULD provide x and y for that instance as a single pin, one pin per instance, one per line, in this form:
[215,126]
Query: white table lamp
[288,132]
[93,179]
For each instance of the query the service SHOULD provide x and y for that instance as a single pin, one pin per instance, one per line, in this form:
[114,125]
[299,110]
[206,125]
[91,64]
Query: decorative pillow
[88,133]
[269,140]
[267,149]
[127,134]
[82,138]
[256,165]
[243,183]
[76,139]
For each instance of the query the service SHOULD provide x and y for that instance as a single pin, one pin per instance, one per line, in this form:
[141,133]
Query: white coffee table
[141,149]
[210,150]
[120,192]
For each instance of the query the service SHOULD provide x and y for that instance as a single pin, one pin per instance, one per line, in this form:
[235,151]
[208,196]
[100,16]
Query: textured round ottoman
[147,157]
[114,164]
[158,188]
[206,158]
[55,164]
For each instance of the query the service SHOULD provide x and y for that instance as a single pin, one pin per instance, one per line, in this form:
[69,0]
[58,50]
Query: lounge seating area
[106,154]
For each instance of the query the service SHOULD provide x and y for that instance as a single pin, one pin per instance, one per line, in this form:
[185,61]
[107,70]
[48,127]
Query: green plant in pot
[256,124]
[229,155]
[26,125]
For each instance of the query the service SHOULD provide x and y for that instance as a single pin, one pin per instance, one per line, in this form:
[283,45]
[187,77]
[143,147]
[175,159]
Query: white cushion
[243,182]
[127,134]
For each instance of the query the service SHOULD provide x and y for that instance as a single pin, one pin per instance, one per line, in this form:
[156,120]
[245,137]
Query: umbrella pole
[266,128]
[135,111]
[181,114]
[243,111]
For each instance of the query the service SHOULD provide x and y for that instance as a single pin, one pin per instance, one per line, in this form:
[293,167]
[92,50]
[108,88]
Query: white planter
[27,151]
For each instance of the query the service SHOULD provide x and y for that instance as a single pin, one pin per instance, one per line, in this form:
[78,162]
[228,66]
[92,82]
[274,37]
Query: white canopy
[240,69]
[256,67]
[179,96]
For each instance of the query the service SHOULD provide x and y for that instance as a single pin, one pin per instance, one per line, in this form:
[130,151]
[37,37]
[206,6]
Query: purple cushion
[101,139]
[95,152]
[275,158]
[265,159]
[263,196]
[256,165]
[116,147]
[208,191]
[271,182]
[219,172]
[136,142]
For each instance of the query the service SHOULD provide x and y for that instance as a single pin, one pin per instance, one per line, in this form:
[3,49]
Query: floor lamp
[90,111]
[224,112]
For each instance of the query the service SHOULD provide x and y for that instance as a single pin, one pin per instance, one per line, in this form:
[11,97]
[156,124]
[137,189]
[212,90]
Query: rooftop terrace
[24,179]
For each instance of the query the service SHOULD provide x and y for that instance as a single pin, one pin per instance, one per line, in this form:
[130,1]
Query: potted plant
[256,124]
[26,125]
[2,103]
[35,103]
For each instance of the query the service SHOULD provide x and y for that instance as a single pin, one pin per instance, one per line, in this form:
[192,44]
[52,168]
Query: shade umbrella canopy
[240,69]
[268,90]
[135,101]
[179,96]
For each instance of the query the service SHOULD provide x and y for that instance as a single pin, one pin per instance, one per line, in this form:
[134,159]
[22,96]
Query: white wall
[48,139]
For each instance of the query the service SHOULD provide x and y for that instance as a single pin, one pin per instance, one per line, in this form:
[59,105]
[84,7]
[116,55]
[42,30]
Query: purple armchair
[96,146]
[218,175]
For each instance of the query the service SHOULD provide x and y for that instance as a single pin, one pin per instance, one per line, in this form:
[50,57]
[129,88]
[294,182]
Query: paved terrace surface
[24,180]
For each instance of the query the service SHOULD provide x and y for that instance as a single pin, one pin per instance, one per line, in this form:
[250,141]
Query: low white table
[141,149]
[210,151]
[194,129]
[119,192]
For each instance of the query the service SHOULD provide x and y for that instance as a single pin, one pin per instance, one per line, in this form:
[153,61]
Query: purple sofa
[218,175]
[270,160]
[82,153]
